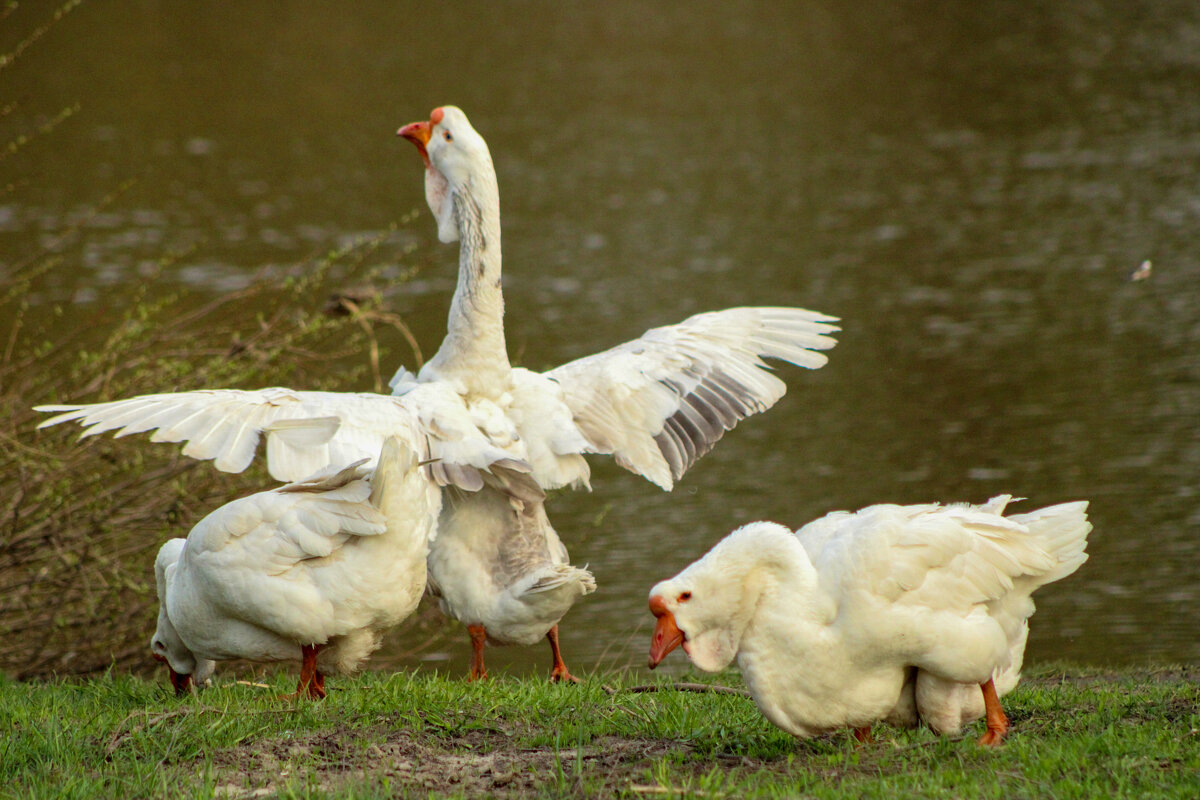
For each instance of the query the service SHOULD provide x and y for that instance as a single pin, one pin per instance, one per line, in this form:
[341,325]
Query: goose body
[314,570]
[504,573]
[828,624]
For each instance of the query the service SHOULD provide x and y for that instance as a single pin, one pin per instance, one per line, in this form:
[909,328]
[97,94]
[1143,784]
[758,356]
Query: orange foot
[560,675]
[558,672]
[312,682]
[997,720]
[992,738]
[478,640]
[309,692]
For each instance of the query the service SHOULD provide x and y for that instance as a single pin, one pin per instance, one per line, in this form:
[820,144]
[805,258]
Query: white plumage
[656,404]
[829,624]
[305,431]
[315,570]
[661,401]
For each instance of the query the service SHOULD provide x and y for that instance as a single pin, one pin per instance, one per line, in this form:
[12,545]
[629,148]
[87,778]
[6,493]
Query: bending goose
[656,404]
[314,570]
[828,623]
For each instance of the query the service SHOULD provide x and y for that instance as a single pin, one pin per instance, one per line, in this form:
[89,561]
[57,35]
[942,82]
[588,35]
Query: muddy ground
[482,763]
[492,761]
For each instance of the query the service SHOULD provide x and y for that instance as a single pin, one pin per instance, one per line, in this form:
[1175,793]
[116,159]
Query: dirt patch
[482,763]
[493,758]
[491,764]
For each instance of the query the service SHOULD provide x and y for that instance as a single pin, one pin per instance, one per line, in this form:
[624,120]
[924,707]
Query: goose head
[456,158]
[187,670]
[708,607]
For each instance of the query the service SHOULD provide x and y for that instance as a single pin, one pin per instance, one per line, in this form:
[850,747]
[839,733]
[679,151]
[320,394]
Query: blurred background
[970,187]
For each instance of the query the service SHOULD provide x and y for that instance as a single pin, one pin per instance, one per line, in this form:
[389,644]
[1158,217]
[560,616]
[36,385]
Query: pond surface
[968,188]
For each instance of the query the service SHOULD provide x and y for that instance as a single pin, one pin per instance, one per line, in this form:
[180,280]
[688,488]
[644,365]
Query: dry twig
[703,688]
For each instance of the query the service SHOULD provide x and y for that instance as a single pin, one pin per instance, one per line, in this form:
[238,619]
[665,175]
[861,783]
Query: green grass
[1076,734]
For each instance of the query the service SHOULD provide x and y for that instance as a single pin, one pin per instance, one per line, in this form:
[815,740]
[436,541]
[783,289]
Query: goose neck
[474,352]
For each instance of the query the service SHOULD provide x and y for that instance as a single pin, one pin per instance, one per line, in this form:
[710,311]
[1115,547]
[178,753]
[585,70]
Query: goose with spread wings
[656,404]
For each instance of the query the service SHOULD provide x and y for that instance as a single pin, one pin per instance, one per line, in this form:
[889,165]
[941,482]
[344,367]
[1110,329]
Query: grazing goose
[314,570]
[827,624]
[656,404]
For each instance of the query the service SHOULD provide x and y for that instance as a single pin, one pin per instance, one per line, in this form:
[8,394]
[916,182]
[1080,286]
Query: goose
[488,552]
[656,404]
[314,570]
[828,623]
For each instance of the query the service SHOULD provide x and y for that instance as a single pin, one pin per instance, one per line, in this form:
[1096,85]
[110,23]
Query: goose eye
[685,596]
[446,135]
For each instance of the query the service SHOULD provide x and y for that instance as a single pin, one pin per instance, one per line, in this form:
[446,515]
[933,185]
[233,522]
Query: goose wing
[270,532]
[272,559]
[305,431]
[945,558]
[663,400]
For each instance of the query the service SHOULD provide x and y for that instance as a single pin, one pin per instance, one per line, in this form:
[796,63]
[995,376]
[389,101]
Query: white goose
[656,404]
[828,623]
[314,570]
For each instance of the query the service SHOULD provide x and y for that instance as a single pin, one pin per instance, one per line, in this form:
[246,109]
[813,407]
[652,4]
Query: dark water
[968,187]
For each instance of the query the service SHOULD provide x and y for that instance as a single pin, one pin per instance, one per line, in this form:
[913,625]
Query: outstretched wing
[305,431]
[662,401]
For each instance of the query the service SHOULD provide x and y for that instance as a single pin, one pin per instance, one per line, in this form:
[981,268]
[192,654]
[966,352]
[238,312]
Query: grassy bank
[1077,733]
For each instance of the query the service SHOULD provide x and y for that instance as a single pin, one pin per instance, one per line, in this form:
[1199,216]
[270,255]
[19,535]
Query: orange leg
[558,671]
[478,640]
[312,682]
[863,735]
[997,722]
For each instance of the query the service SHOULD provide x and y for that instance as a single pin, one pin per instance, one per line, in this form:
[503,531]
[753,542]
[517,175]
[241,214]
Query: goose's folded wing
[946,558]
[270,532]
[660,402]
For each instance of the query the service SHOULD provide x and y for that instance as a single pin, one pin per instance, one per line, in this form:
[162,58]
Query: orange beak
[418,133]
[667,635]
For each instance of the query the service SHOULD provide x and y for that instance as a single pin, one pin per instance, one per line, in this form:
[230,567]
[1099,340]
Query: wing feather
[953,558]
[309,519]
[305,431]
[662,401]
